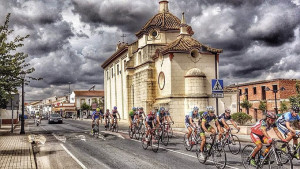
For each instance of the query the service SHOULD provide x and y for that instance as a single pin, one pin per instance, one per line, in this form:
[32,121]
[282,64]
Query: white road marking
[81,137]
[62,139]
[44,128]
[78,162]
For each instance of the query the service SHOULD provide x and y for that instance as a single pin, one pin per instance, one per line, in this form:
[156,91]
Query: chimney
[163,6]
[183,26]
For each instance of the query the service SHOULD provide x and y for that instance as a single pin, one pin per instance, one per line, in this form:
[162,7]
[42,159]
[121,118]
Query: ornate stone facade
[166,67]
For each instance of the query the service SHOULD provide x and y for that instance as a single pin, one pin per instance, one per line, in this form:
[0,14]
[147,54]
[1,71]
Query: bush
[241,118]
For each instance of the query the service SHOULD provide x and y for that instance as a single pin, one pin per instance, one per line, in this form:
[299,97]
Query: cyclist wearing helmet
[113,115]
[141,115]
[190,124]
[222,120]
[132,114]
[259,134]
[206,118]
[284,123]
[160,116]
[106,117]
[95,117]
[150,121]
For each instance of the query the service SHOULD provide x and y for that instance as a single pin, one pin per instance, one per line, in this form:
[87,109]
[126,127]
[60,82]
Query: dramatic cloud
[70,39]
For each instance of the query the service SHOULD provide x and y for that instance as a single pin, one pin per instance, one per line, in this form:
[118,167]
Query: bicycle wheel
[202,160]
[219,157]
[246,156]
[234,144]
[144,142]
[155,143]
[188,148]
[165,138]
[116,127]
[283,160]
[137,133]
[130,132]
[170,132]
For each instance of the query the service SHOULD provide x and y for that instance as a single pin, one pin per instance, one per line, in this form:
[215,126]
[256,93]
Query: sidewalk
[15,150]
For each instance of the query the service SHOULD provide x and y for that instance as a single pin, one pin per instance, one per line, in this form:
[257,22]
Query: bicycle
[140,129]
[273,158]
[232,141]
[289,150]
[194,139]
[107,122]
[114,126]
[153,140]
[212,149]
[169,129]
[96,129]
[132,129]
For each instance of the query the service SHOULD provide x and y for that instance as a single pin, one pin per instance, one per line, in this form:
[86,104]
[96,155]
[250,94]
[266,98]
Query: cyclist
[189,122]
[259,134]
[284,123]
[106,117]
[222,121]
[141,115]
[169,117]
[160,116]
[95,117]
[150,121]
[206,118]
[113,115]
[132,114]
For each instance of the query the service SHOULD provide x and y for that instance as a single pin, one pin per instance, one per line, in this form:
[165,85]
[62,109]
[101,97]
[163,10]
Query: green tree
[263,106]
[283,107]
[241,117]
[246,104]
[85,106]
[12,62]
[101,103]
[295,100]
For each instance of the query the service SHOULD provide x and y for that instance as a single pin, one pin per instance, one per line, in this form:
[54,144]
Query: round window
[161,80]
[154,33]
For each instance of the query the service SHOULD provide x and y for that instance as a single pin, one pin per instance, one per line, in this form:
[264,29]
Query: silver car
[55,118]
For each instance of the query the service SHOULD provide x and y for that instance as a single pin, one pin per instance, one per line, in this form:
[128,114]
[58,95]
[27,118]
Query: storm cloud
[70,39]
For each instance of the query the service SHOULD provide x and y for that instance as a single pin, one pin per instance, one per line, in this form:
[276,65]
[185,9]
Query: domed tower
[195,83]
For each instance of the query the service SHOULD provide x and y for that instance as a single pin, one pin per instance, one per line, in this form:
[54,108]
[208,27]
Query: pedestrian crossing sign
[217,85]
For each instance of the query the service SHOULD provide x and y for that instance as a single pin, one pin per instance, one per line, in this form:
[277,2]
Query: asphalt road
[70,145]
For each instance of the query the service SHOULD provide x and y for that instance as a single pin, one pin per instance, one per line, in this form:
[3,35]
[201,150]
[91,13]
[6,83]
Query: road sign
[217,95]
[217,85]
[15,102]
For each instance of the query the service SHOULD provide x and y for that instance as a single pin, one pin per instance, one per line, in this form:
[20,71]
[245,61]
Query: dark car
[55,118]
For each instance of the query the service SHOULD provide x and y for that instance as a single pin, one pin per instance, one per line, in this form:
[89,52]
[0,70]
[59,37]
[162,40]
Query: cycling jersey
[131,113]
[191,115]
[106,114]
[207,119]
[96,114]
[287,117]
[114,113]
[140,113]
[223,116]
[150,118]
[161,115]
[262,124]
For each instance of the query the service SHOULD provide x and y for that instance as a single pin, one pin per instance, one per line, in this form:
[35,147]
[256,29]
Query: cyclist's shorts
[96,117]
[257,139]
[283,129]
[221,124]
[150,124]
[132,117]
[202,132]
[187,125]
[115,116]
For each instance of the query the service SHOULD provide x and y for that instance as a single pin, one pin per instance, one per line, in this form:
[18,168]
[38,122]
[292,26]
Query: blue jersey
[207,118]
[96,114]
[191,115]
[287,117]
[161,115]
[223,116]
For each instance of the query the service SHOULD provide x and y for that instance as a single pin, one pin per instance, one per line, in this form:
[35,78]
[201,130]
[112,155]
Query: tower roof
[184,44]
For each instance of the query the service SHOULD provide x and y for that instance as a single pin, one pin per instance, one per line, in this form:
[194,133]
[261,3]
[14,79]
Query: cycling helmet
[134,109]
[271,115]
[151,112]
[295,108]
[115,107]
[227,110]
[210,108]
[98,109]
[141,108]
[162,109]
[195,108]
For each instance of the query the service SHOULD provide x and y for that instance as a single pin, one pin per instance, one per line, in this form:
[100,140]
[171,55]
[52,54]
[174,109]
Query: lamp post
[22,116]
[275,91]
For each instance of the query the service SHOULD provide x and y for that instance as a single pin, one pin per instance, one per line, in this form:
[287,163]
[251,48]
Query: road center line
[74,158]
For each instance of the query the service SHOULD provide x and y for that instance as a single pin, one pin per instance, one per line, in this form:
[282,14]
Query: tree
[283,107]
[12,63]
[295,100]
[241,117]
[246,104]
[85,106]
[263,106]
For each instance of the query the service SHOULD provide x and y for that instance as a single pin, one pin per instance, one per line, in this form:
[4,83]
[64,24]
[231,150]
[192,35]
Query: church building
[164,67]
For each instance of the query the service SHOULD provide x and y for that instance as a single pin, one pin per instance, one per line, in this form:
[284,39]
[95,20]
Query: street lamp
[275,91]
[22,117]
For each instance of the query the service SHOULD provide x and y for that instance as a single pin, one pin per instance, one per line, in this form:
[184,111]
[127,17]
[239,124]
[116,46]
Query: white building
[165,66]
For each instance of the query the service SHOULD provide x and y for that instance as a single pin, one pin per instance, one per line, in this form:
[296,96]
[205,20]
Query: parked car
[55,118]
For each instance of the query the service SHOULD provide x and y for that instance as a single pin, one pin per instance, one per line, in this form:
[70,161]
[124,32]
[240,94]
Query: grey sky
[69,39]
